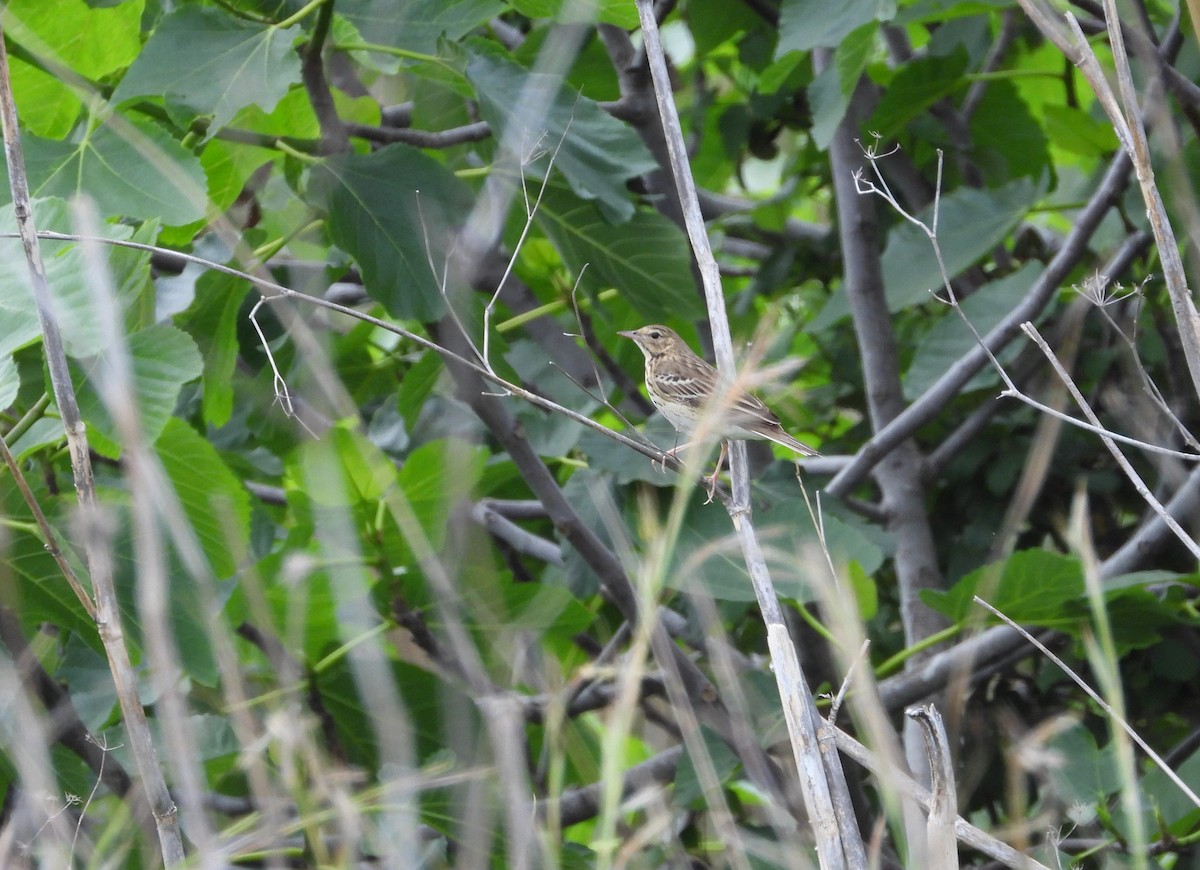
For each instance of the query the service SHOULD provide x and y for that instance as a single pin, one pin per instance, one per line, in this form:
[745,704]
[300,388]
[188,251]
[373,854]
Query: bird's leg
[662,466]
[675,451]
[712,481]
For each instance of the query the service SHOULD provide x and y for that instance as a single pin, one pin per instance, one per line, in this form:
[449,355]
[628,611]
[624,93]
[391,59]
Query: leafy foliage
[388,605]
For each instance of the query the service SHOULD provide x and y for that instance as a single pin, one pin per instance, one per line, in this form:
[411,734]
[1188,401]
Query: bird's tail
[785,440]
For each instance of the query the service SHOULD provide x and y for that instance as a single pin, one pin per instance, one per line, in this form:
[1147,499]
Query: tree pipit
[682,386]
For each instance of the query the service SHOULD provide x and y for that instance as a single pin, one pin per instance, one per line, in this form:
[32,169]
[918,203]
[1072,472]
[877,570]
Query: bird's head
[654,340]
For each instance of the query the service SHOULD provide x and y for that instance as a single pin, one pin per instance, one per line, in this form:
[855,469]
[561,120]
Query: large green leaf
[164,359]
[595,152]
[189,619]
[647,258]
[212,321]
[416,25]
[435,478]
[620,13]
[130,168]
[393,212]
[918,11]
[349,704]
[214,500]
[1087,772]
[917,86]
[708,558]
[971,223]
[204,61]
[39,593]
[1030,586]
[73,304]
[1078,132]
[92,41]
[831,90]
[1009,140]
[949,338]
[808,24]
[10,381]
[690,785]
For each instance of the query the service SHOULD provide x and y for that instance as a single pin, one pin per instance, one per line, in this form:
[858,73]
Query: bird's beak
[627,333]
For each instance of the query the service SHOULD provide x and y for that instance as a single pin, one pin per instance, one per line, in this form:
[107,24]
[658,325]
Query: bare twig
[529,156]
[49,537]
[1126,466]
[423,138]
[1095,696]
[943,802]
[922,410]
[107,613]
[1127,122]
[964,830]
[822,779]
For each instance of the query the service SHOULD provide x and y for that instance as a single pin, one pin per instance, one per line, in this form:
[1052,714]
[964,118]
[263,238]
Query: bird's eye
[656,334]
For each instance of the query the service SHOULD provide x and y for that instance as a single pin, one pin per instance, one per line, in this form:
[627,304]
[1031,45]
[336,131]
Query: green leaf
[947,10]
[384,209]
[690,789]
[424,695]
[215,502]
[1086,773]
[46,431]
[40,594]
[1076,131]
[620,13]
[74,306]
[949,338]
[45,105]
[416,25]
[206,62]
[10,381]
[367,469]
[707,555]
[866,593]
[595,152]
[164,358]
[299,597]
[130,168]
[544,608]
[436,477]
[830,91]
[808,24]
[419,380]
[972,222]
[605,454]
[1163,801]
[1031,586]
[212,320]
[647,258]
[917,86]
[1007,135]
[91,41]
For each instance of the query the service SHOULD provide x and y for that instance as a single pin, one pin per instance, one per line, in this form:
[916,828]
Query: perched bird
[682,385]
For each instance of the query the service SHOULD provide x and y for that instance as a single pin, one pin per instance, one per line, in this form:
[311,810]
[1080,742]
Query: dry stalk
[108,621]
[821,776]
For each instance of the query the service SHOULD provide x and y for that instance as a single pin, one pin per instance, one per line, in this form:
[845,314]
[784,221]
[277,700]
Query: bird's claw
[662,466]
[711,480]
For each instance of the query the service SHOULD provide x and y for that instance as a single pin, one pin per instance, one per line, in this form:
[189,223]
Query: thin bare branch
[1095,696]
[107,612]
